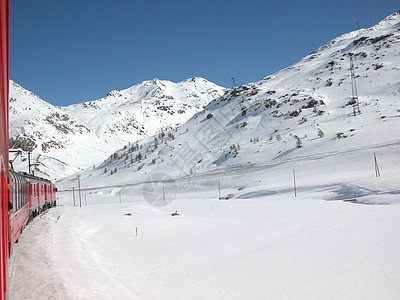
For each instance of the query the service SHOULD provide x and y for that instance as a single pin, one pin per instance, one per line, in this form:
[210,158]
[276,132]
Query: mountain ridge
[88,130]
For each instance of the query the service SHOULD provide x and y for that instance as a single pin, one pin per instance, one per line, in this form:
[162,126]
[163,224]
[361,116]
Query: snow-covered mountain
[305,110]
[144,109]
[66,139]
[58,142]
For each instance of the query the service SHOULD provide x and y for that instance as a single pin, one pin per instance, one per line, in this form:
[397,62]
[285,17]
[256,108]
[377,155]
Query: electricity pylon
[356,105]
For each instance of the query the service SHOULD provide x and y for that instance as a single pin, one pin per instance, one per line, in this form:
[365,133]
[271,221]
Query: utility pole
[79,188]
[29,163]
[30,171]
[73,194]
[294,182]
[234,83]
[356,106]
[219,190]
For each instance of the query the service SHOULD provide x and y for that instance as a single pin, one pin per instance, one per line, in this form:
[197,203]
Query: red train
[22,196]
[4,82]
[29,196]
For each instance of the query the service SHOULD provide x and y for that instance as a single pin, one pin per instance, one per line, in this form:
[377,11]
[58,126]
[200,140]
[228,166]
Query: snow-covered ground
[261,243]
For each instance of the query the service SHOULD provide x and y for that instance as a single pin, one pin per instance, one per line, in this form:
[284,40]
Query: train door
[12,192]
[41,201]
[36,187]
[30,193]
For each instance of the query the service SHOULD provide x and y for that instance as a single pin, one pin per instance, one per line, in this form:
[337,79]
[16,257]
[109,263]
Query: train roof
[32,177]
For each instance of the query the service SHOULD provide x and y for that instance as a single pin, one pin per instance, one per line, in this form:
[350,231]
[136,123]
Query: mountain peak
[389,21]
[382,28]
[158,82]
[113,93]
[193,79]
[394,16]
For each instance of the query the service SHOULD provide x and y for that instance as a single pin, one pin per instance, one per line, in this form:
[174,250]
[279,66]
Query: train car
[51,188]
[4,82]
[29,196]
[41,194]
[19,207]
[50,194]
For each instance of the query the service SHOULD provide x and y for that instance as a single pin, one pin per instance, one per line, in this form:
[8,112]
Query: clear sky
[70,51]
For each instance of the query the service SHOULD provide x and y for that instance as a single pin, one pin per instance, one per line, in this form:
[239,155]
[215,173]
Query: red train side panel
[4,82]
[36,197]
[41,194]
[19,214]
[33,195]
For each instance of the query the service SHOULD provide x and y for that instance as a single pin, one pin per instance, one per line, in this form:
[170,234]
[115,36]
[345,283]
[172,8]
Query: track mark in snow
[88,248]
[32,251]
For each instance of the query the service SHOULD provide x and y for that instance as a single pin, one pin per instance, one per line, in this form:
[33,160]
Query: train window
[20,194]
[24,191]
[12,193]
[17,192]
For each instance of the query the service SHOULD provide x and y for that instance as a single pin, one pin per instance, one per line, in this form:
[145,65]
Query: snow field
[277,247]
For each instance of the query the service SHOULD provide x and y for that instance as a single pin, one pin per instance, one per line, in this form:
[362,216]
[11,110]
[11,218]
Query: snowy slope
[67,139]
[58,141]
[303,111]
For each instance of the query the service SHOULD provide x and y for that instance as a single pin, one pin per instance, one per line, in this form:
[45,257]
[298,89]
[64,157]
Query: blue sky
[73,51]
